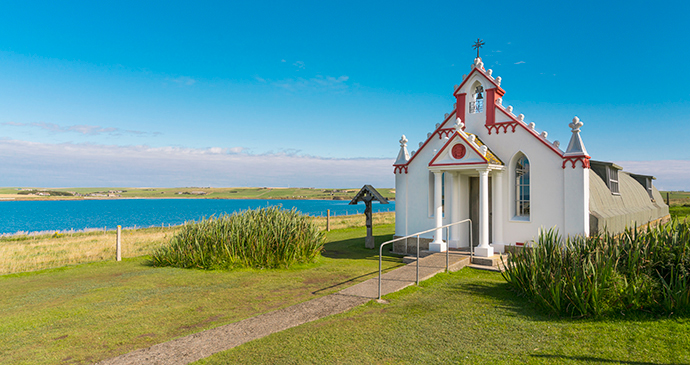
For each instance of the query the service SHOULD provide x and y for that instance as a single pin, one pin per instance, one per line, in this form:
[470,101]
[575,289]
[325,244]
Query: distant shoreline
[255,193]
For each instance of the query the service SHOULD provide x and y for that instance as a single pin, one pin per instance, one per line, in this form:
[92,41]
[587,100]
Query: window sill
[518,219]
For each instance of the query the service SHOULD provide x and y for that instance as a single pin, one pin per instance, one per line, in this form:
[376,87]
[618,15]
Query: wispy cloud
[315,83]
[519,62]
[75,164]
[183,80]
[670,174]
[299,65]
[90,130]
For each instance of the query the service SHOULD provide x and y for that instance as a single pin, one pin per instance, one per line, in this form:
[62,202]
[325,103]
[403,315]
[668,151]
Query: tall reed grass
[262,238]
[646,271]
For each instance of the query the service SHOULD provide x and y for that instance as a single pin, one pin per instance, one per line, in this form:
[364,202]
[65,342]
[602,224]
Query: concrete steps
[492,263]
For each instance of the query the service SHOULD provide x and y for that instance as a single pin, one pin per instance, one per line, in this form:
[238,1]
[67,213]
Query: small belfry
[485,162]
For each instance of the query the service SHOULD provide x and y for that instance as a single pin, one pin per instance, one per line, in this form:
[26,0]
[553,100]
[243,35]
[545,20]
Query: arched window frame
[477,102]
[522,187]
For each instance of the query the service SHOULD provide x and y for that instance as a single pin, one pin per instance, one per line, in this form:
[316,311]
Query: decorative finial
[439,124]
[477,45]
[510,109]
[498,80]
[483,149]
[521,117]
[556,143]
[459,124]
[489,72]
[575,125]
[544,134]
[403,141]
[499,101]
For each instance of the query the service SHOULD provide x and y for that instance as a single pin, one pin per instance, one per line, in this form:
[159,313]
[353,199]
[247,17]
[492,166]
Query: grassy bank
[29,253]
[193,192]
[90,312]
[468,317]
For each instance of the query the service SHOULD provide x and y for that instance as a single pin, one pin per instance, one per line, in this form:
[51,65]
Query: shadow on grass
[508,299]
[504,298]
[596,360]
[353,248]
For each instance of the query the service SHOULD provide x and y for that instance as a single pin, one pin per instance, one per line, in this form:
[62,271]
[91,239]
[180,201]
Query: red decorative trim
[500,91]
[525,127]
[460,106]
[491,109]
[460,164]
[440,127]
[505,125]
[573,160]
[445,146]
[445,131]
[399,168]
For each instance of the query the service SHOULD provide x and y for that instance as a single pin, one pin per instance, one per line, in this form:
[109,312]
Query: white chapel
[485,163]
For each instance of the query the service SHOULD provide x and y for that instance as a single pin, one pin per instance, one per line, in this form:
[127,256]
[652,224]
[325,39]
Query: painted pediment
[464,149]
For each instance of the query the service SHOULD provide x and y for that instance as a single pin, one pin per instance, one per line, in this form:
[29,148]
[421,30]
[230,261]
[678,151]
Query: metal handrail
[447,227]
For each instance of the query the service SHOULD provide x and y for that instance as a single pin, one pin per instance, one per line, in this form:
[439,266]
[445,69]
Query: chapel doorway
[474,210]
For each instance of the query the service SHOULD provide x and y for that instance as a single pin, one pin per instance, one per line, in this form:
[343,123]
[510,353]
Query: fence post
[668,198]
[118,248]
[328,220]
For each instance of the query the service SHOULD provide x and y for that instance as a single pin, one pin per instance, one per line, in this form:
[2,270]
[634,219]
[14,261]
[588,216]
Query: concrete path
[203,344]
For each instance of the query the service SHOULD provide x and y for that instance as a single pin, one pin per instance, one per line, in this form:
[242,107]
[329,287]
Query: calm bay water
[36,216]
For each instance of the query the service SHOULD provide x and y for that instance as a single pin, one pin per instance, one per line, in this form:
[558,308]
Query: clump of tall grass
[262,238]
[646,271]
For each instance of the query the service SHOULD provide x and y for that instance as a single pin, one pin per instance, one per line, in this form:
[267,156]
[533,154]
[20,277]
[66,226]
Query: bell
[479,96]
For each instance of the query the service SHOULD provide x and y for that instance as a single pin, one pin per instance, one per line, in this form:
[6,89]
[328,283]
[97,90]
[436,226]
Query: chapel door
[474,210]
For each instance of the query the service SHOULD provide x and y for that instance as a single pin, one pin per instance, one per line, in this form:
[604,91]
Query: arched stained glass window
[522,196]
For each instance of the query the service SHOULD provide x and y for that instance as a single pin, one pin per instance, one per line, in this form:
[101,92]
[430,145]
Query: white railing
[447,227]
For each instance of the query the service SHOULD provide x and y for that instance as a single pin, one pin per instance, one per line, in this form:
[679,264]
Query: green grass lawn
[466,317]
[90,312]
[680,211]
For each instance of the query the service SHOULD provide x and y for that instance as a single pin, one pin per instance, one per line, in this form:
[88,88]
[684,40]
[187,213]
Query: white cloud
[519,62]
[670,174]
[90,130]
[319,83]
[70,164]
[299,65]
[183,80]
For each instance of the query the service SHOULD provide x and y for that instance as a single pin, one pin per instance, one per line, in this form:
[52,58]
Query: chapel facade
[484,163]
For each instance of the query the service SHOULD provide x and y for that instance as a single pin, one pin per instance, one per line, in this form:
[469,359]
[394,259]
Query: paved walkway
[203,344]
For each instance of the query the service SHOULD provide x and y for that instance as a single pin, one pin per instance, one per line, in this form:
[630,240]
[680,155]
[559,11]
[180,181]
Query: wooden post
[668,198]
[118,248]
[369,240]
[328,220]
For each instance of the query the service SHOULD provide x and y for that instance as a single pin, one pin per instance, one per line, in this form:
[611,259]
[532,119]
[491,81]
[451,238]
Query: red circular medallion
[458,151]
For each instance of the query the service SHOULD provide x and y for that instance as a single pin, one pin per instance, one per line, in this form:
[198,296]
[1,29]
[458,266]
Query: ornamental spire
[403,155]
[576,146]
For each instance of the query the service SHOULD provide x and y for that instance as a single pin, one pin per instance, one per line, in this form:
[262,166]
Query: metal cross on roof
[477,45]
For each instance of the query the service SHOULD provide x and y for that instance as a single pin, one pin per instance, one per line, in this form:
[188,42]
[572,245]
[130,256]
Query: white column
[454,206]
[438,245]
[497,180]
[484,250]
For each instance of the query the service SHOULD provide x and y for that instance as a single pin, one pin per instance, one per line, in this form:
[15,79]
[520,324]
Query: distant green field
[203,192]
[676,197]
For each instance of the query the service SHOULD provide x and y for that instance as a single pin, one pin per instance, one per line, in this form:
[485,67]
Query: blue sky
[318,93]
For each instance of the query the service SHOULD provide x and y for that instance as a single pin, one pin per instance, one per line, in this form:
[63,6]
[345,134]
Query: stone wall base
[409,246]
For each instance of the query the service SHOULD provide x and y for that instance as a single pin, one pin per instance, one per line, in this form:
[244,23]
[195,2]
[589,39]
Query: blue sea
[66,215]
